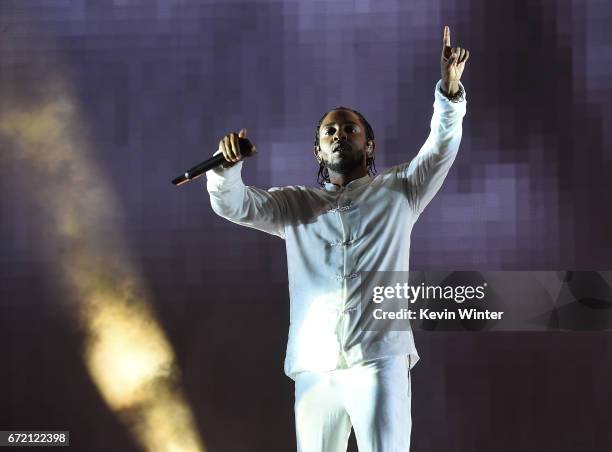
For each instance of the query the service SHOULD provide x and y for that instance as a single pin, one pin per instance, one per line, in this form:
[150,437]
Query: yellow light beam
[127,353]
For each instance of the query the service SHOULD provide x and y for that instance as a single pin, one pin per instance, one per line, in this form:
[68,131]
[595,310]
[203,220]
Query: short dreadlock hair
[323,175]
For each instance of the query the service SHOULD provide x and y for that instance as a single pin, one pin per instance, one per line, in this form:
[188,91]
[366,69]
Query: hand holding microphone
[232,148]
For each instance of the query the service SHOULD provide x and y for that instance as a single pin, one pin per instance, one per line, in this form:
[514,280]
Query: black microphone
[193,173]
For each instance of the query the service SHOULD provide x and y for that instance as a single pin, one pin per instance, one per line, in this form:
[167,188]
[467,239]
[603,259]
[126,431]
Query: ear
[371,148]
[315,151]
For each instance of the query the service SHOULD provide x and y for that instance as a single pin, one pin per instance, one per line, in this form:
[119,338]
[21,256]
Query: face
[342,142]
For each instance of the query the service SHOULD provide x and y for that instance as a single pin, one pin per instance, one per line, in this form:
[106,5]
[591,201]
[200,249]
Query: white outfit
[373,397]
[334,234]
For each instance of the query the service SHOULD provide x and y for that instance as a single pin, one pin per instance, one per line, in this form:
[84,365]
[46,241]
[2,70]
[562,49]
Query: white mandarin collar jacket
[335,234]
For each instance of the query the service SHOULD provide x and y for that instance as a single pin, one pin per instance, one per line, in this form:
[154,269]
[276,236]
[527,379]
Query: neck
[342,179]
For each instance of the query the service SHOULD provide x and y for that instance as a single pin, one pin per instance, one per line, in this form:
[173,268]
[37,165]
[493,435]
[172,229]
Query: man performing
[356,222]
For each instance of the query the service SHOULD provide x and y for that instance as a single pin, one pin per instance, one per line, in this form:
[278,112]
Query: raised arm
[423,177]
[248,206]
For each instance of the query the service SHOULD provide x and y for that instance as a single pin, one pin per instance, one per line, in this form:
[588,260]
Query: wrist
[449,89]
[453,91]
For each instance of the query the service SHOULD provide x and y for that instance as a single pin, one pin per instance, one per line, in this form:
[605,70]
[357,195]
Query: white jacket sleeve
[247,206]
[423,177]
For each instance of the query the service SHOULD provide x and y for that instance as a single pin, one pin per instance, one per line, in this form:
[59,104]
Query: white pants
[372,397]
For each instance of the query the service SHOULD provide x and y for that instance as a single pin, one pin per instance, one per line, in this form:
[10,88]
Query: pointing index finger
[446,39]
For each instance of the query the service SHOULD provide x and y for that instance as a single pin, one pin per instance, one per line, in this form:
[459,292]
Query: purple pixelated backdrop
[158,83]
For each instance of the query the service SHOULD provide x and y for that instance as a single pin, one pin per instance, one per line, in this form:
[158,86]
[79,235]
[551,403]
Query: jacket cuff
[219,176]
[443,104]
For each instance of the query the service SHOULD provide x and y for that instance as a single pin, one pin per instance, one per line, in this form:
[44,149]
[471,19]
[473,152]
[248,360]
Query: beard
[346,164]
